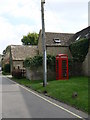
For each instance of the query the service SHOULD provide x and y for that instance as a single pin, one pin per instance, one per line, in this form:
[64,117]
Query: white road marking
[48,100]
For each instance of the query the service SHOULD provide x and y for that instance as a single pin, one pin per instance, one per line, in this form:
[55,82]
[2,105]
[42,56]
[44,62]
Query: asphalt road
[19,102]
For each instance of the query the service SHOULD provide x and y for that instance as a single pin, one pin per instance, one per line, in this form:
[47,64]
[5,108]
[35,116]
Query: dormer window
[78,37]
[87,35]
[57,40]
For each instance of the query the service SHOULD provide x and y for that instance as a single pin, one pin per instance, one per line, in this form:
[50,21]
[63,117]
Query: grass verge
[73,91]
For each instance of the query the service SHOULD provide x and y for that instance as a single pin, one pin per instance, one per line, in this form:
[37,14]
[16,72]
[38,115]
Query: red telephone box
[61,67]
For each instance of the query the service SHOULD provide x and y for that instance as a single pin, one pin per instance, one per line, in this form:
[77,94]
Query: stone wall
[76,69]
[18,64]
[54,50]
[58,50]
[86,65]
[34,73]
[37,73]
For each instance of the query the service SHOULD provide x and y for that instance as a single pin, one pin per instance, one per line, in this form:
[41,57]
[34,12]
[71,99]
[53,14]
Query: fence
[18,73]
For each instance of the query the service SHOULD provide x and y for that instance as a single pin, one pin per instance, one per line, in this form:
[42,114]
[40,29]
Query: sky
[19,17]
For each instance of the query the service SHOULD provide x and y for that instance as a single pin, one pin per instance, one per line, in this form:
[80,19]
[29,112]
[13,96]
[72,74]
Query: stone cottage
[56,43]
[18,53]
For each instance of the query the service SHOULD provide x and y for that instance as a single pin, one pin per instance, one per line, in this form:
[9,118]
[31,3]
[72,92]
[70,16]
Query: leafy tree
[6,50]
[30,39]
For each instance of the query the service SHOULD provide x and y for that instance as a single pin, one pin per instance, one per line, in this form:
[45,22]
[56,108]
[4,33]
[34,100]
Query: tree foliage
[79,49]
[6,50]
[30,39]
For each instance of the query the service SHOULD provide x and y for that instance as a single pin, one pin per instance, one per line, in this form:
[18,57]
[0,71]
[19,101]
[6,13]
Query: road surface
[20,102]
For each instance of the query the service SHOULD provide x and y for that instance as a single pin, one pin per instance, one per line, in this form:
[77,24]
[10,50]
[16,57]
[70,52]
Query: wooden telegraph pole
[44,45]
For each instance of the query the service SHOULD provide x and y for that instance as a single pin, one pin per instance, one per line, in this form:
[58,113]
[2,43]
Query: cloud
[66,1]
[8,34]
[19,9]
[19,17]
[12,34]
[10,10]
[66,17]
[6,30]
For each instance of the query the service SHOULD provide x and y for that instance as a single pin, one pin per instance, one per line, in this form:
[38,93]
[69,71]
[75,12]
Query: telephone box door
[64,68]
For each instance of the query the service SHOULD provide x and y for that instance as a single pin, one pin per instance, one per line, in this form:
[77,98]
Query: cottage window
[14,68]
[87,35]
[23,64]
[18,67]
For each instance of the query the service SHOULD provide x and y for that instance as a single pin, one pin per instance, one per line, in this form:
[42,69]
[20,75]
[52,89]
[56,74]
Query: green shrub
[79,49]
[6,68]
[75,68]
[51,62]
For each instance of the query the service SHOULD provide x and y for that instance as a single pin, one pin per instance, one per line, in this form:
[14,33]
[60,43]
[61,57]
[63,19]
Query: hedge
[6,68]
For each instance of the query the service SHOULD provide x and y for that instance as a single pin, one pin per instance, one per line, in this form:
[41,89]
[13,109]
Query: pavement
[17,101]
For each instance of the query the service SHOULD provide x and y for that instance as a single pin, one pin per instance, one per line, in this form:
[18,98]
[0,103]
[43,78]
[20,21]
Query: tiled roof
[63,37]
[85,33]
[21,52]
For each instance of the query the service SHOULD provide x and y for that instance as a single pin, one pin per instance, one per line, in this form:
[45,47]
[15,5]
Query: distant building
[6,56]
[0,59]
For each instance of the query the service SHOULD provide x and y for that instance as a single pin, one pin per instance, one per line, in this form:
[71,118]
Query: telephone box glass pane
[64,68]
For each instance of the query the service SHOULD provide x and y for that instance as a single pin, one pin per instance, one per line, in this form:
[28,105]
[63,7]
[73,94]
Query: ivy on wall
[79,49]
[37,61]
[32,62]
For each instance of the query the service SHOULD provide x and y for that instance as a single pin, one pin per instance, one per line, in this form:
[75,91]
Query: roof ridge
[58,33]
[25,45]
